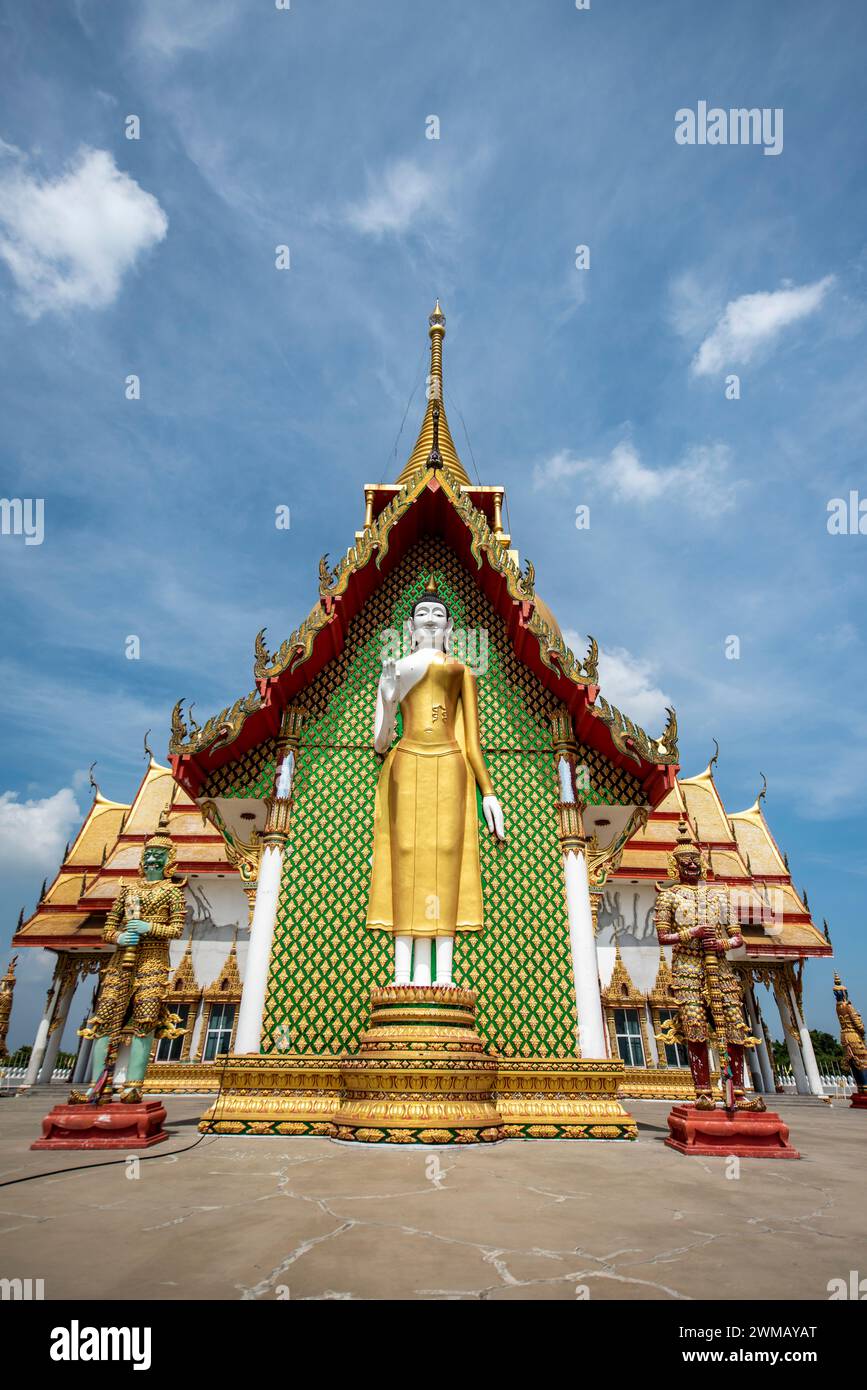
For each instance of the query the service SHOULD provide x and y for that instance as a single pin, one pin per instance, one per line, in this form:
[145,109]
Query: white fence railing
[835,1085]
[13,1077]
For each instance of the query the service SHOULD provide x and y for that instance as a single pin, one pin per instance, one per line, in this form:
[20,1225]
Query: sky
[712,572]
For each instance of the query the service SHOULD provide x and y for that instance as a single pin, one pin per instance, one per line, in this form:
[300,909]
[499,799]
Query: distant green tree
[830,1058]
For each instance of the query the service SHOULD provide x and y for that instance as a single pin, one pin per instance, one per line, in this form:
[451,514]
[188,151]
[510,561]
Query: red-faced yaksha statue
[692,915]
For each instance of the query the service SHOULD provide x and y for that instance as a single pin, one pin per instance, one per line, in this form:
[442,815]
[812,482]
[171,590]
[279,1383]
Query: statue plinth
[421,1074]
[729,1133]
[115,1125]
[859,1100]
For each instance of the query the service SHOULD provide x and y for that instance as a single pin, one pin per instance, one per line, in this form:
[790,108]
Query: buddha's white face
[429,625]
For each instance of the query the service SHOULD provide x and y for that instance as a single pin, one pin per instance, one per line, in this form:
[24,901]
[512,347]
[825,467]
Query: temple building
[272,806]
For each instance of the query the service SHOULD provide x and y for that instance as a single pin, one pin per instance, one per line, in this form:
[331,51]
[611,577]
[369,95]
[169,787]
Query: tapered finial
[435,446]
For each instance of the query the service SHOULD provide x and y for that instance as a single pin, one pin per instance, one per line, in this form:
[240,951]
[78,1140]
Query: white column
[760,1053]
[781,994]
[61,1013]
[591,1024]
[810,1064]
[40,1042]
[249,1034]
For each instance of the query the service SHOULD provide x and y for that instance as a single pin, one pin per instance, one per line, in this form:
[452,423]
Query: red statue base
[742,1133]
[859,1100]
[116,1125]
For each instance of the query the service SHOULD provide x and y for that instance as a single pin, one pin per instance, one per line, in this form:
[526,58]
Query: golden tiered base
[421,1075]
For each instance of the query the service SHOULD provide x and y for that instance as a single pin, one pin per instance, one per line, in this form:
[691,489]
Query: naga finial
[667,743]
[591,660]
[92,778]
[763,793]
[148,751]
[715,759]
[179,728]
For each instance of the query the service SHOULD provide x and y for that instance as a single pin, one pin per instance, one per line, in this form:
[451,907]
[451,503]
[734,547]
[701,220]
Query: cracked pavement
[270,1219]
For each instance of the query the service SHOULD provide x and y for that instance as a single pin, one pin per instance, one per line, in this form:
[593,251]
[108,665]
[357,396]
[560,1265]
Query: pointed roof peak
[435,443]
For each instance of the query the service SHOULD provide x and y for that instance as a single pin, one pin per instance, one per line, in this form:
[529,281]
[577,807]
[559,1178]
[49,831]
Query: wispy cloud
[169,27]
[397,199]
[702,479]
[69,241]
[753,323]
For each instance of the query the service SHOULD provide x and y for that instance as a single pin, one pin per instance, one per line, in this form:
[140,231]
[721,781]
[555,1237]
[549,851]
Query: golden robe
[426,879]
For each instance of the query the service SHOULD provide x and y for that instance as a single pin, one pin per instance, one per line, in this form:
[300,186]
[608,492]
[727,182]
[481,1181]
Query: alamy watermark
[737,126]
[23,516]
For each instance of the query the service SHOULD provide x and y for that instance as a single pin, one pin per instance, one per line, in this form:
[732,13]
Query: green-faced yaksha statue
[146,915]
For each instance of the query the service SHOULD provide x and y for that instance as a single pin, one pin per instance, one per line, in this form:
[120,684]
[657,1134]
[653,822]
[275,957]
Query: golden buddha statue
[426,881]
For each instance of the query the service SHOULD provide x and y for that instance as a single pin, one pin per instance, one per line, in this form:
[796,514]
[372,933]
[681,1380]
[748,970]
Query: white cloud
[702,479]
[33,833]
[627,681]
[754,322]
[69,241]
[402,194]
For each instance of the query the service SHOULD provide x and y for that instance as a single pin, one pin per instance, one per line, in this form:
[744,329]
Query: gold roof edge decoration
[435,426]
[628,737]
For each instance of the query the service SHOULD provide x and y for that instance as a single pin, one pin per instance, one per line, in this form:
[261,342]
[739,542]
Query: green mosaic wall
[325,960]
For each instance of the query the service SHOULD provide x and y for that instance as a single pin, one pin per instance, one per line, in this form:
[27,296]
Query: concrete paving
[305,1218]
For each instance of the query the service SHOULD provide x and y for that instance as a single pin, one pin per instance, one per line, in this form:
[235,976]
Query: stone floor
[306,1218]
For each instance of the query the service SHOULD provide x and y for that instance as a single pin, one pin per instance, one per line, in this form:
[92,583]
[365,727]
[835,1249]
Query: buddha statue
[426,881]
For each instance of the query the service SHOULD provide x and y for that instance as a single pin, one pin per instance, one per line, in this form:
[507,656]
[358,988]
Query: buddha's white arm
[385,719]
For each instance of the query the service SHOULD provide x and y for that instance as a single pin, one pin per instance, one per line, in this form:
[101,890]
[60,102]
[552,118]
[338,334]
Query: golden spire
[434,432]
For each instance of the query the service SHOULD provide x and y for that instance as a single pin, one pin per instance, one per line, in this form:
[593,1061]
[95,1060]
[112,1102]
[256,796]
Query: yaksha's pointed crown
[161,839]
[686,845]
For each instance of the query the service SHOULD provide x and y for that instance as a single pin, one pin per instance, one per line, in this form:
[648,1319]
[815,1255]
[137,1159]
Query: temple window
[218,1034]
[627,1030]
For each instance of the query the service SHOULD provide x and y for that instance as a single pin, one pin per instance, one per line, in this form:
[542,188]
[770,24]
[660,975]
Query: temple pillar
[251,1012]
[588,1001]
[811,1066]
[58,1023]
[579,909]
[40,1042]
[759,1055]
[784,1004]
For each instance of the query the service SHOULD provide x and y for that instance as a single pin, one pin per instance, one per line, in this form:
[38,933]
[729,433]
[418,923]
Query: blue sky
[605,387]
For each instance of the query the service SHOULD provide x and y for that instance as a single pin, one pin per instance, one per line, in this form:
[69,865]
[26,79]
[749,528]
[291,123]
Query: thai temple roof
[433,487]
[433,494]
